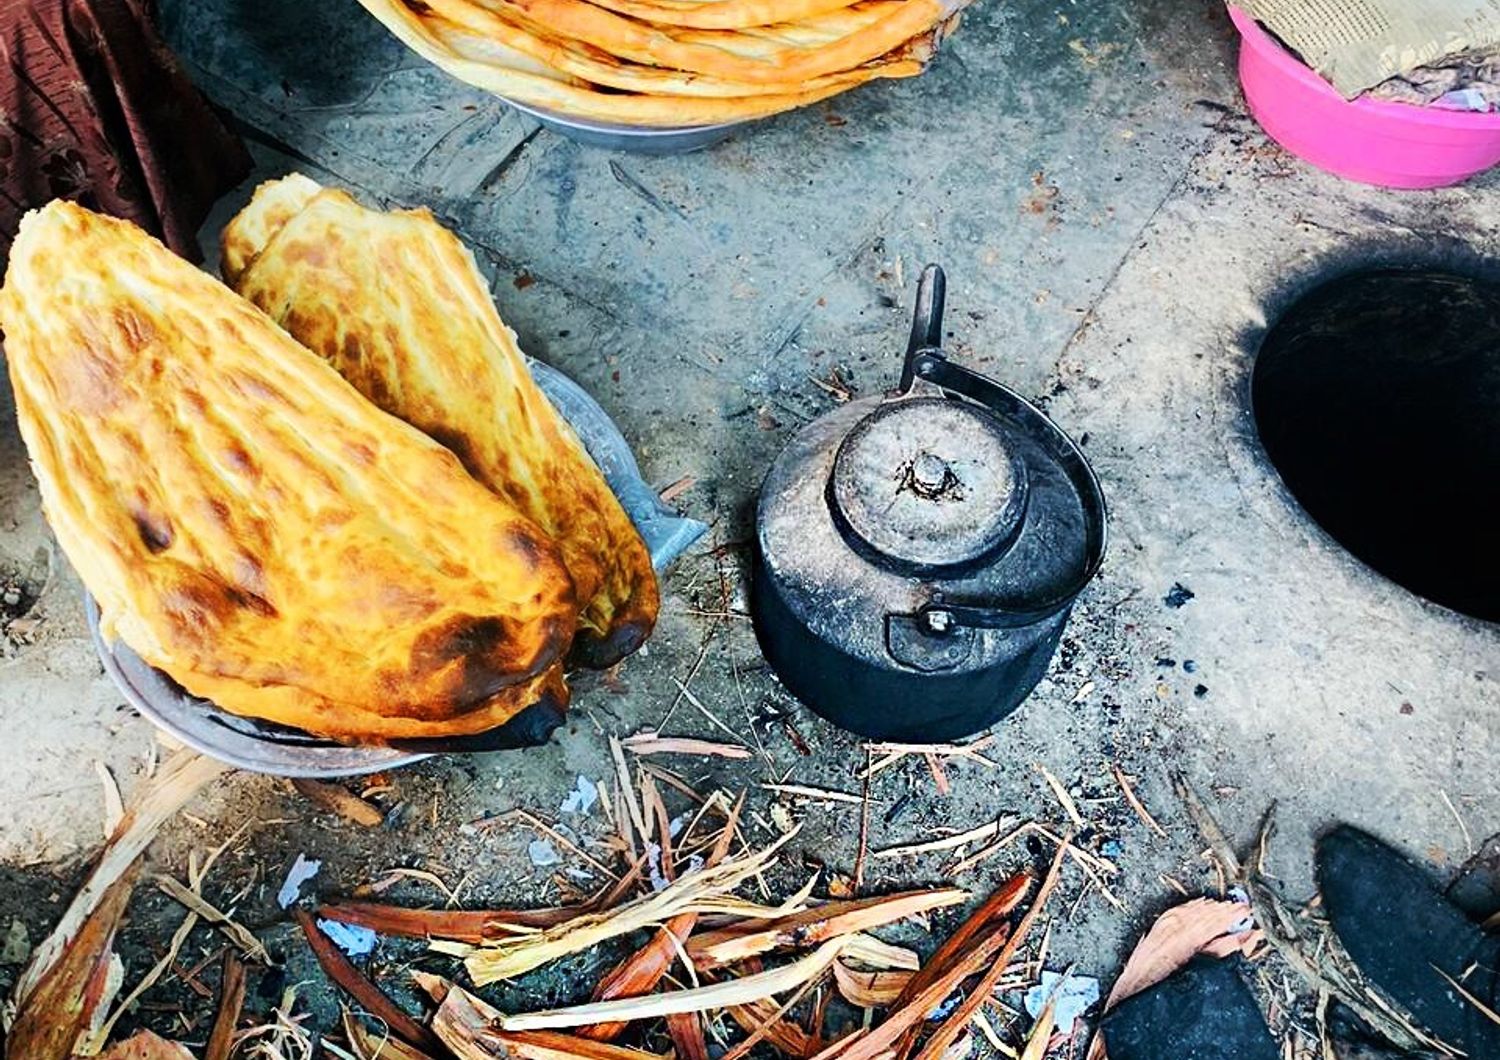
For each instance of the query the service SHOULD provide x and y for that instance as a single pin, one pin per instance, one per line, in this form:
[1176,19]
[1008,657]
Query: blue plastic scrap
[353,940]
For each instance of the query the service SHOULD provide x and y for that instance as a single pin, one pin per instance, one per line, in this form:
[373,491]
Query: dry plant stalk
[692,893]
[61,1007]
[652,743]
[337,799]
[349,978]
[236,932]
[639,973]
[471,1030]
[475,926]
[959,839]
[947,1034]
[1136,804]
[776,1019]
[864,989]
[910,1014]
[881,956]
[784,1034]
[180,778]
[810,927]
[716,996]
[231,1002]
[686,1031]
[368,1045]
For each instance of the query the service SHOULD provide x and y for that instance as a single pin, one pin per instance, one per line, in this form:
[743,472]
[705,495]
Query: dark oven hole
[1377,397]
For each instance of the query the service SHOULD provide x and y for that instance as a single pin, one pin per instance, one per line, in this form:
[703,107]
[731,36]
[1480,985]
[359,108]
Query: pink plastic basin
[1394,145]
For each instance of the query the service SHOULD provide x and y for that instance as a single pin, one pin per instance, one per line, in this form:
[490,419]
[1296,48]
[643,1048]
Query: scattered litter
[302,870]
[1063,798]
[353,940]
[335,798]
[542,853]
[781,817]
[677,489]
[1136,804]
[649,742]
[885,755]
[653,867]
[582,798]
[1178,595]
[812,794]
[114,807]
[949,842]
[1070,996]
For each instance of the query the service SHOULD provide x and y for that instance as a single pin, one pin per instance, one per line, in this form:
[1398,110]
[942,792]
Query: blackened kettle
[918,554]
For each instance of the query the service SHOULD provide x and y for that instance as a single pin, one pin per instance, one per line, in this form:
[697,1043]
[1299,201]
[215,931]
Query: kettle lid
[929,483]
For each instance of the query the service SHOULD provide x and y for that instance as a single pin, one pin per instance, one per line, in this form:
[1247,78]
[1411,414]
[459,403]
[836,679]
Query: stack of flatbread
[683,63]
[337,503]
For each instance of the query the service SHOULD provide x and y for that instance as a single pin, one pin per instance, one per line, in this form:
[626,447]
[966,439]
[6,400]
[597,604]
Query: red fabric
[94,107]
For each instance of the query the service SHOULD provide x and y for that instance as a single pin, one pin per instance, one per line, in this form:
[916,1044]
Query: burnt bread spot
[600,653]
[238,460]
[456,443]
[491,655]
[478,636]
[155,531]
[252,602]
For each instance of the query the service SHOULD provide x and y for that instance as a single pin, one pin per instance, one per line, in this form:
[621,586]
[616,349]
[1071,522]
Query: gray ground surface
[1116,232]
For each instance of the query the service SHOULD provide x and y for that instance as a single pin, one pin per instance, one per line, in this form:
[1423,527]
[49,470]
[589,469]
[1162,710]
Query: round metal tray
[641,140]
[263,747]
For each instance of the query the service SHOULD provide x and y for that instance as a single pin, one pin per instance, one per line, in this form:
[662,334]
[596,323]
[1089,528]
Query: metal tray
[637,139]
[263,747]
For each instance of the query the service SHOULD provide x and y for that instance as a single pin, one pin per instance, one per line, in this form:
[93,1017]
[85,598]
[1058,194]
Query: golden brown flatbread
[248,522]
[395,302]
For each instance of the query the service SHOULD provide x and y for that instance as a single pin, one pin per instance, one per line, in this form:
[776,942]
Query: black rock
[1202,1012]
[1400,931]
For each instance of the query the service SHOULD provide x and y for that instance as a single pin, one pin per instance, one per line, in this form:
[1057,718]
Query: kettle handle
[927,322]
[926,360]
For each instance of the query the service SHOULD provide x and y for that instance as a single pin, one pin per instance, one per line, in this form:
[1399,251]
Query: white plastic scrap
[354,940]
[302,870]
[582,798]
[653,867]
[1075,994]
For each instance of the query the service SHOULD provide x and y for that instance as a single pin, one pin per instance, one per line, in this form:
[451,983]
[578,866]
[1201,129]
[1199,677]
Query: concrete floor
[1116,233]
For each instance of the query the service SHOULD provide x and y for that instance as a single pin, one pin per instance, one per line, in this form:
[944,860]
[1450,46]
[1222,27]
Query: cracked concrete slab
[1116,233]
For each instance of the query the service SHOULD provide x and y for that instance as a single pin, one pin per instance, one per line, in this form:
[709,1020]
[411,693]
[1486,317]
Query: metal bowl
[263,747]
[637,139]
